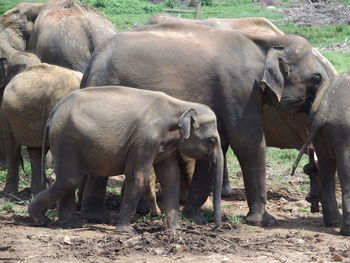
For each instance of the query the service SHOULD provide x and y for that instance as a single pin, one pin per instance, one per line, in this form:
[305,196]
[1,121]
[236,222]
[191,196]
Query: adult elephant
[282,129]
[33,89]
[233,73]
[59,32]
[65,33]
[16,25]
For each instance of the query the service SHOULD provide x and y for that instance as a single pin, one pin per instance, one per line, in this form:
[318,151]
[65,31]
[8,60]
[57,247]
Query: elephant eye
[316,79]
[212,140]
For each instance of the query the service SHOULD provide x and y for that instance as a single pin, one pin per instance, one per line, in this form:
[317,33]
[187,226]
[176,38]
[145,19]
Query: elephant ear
[3,72]
[188,122]
[275,70]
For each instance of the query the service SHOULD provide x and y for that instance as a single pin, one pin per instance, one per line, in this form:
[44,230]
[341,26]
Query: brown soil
[316,13]
[300,236]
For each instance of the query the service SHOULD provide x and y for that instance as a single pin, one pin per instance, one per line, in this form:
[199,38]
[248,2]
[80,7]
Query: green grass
[8,4]
[6,206]
[339,59]
[235,219]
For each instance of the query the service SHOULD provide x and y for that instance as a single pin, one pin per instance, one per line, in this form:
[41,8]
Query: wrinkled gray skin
[282,129]
[27,101]
[329,123]
[234,74]
[114,130]
[16,25]
[59,32]
[66,33]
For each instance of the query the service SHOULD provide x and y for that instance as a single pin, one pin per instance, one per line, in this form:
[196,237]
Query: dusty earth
[300,236]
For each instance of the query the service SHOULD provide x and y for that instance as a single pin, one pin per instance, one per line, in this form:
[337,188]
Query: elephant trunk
[316,121]
[217,170]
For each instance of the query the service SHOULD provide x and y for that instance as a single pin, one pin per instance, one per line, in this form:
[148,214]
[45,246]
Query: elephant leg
[327,167]
[168,173]
[36,184]
[93,201]
[68,179]
[200,189]
[136,181]
[252,163]
[13,152]
[227,191]
[67,215]
[311,170]
[151,195]
[343,169]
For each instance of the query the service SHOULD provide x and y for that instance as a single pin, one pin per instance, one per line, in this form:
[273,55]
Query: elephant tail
[44,150]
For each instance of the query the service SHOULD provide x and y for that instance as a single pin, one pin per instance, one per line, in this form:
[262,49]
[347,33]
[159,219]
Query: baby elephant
[329,125]
[105,131]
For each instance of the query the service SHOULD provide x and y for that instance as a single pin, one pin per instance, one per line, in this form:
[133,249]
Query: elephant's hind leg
[68,179]
[36,184]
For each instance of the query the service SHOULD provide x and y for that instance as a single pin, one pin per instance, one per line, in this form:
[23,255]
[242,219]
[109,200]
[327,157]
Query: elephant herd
[160,98]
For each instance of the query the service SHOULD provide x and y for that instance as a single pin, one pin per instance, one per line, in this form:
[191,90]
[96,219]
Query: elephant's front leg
[246,137]
[137,177]
[93,203]
[168,173]
[343,169]
[327,167]
[200,188]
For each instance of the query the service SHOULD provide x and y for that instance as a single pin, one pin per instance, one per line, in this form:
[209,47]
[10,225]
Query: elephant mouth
[294,105]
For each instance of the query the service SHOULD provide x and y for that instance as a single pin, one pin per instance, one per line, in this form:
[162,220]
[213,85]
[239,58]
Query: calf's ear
[188,123]
[276,70]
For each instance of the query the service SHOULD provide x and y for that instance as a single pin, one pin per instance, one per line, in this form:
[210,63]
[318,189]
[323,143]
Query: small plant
[7,207]
[235,219]
[208,2]
[170,3]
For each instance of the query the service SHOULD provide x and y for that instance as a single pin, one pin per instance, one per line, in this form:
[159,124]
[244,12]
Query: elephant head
[293,73]
[16,24]
[200,140]
[15,64]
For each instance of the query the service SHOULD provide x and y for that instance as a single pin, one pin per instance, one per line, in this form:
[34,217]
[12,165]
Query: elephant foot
[92,215]
[36,215]
[197,217]
[125,228]
[332,221]
[10,190]
[315,207]
[73,222]
[208,205]
[227,191]
[259,219]
[142,207]
[345,230]
[155,211]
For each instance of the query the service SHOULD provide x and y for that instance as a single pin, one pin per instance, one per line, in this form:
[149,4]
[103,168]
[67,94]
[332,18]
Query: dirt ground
[300,236]
[316,13]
